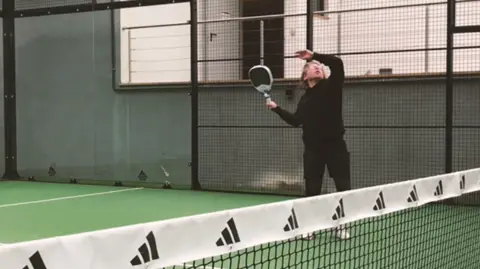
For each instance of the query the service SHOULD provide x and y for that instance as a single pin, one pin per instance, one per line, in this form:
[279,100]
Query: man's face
[314,71]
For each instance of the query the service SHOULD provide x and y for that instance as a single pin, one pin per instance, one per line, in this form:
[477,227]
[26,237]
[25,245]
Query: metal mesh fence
[394,98]
[34,4]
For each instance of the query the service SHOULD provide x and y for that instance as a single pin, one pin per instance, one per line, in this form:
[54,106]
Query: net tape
[177,241]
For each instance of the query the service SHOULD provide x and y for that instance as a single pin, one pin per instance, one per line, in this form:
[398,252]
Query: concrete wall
[70,118]
[394,132]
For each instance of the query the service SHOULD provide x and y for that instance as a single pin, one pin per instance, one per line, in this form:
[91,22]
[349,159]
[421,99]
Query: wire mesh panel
[243,146]
[395,130]
[34,4]
[466,93]
[394,102]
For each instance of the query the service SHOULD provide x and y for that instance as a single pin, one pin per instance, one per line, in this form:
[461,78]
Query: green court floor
[432,236]
[32,210]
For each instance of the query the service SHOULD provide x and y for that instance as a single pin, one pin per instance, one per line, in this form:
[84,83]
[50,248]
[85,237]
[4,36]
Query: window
[319,5]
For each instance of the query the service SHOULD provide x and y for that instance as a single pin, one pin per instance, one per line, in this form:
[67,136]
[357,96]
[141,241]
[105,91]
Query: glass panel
[71,121]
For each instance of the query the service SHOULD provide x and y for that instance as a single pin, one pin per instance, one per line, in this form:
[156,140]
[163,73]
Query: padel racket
[261,79]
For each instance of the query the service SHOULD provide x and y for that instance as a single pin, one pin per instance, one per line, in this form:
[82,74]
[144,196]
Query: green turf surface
[70,216]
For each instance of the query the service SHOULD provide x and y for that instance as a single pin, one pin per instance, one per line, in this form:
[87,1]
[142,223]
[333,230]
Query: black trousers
[331,153]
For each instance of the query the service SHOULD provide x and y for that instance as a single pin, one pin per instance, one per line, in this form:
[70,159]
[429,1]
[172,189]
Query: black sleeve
[335,64]
[288,117]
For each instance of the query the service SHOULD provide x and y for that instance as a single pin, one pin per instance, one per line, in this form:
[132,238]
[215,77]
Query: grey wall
[70,118]
[395,132]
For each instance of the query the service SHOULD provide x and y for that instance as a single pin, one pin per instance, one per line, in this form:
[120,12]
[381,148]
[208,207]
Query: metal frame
[309,15]
[90,7]
[452,29]
[194,94]
[9,90]
[8,13]
[449,87]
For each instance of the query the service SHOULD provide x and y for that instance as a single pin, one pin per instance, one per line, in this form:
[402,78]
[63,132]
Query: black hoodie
[319,111]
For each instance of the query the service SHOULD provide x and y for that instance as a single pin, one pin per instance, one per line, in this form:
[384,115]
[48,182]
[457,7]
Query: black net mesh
[424,237]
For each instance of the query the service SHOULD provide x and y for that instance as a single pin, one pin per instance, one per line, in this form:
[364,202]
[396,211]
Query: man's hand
[304,54]
[271,104]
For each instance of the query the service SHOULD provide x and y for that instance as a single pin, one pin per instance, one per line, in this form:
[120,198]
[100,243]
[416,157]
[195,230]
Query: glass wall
[73,124]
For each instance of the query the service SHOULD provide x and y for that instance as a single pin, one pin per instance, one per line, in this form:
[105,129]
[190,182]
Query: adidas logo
[36,261]
[148,253]
[462,183]
[339,211]
[229,234]
[292,222]
[380,202]
[142,176]
[51,171]
[413,195]
[439,189]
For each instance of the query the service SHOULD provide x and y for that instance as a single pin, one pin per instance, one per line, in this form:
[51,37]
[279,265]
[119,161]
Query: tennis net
[407,224]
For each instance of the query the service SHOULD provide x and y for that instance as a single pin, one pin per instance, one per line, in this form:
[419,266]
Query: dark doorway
[273,36]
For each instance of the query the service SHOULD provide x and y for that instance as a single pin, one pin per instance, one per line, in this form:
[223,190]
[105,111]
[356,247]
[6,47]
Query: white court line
[69,197]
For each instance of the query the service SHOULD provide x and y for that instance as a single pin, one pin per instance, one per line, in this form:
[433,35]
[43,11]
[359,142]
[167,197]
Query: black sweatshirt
[319,111]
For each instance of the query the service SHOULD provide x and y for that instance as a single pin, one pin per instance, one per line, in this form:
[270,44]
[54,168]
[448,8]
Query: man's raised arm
[334,63]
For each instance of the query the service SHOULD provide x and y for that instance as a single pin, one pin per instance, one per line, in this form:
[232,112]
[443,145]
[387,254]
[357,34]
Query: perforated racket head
[261,79]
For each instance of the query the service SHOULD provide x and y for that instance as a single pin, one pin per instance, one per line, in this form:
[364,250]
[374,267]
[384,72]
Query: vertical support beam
[9,90]
[262,42]
[449,87]
[427,36]
[310,24]
[194,93]
[339,29]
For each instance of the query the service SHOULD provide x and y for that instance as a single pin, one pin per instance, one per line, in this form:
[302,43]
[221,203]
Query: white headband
[326,70]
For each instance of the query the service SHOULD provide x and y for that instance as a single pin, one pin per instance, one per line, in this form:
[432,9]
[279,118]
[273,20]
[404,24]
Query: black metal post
[310,24]
[9,90]
[194,92]
[449,87]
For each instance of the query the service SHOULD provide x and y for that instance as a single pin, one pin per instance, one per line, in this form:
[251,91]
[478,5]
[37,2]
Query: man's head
[313,72]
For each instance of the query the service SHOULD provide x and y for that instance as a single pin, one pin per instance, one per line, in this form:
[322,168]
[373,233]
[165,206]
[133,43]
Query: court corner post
[9,90]
[449,87]
[309,27]
[194,94]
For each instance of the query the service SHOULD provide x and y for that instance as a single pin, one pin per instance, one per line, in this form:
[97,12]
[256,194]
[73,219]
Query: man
[319,113]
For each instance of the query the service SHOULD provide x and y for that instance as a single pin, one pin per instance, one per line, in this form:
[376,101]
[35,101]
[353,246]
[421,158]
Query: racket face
[261,78]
